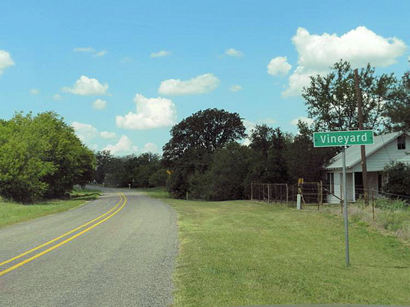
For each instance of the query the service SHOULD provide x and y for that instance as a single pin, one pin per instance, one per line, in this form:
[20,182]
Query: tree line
[206,156]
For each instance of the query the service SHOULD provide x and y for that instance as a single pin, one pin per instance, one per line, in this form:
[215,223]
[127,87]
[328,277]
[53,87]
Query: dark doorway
[358,185]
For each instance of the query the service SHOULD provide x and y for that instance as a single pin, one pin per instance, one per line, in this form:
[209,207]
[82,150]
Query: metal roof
[353,155]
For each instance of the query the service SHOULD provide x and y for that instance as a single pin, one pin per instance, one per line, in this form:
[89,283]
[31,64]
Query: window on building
[331,181]
[401,142]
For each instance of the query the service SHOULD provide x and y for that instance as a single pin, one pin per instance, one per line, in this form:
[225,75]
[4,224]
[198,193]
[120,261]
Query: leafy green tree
[158,178]
[203,131]
[227,176]
[193,142]
[332,103]
[398,108]
[22,169]
[103,160]
[269,146]
[304,160]
[74,163]
[41,157]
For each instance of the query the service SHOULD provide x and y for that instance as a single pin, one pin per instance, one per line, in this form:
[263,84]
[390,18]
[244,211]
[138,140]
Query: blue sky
[63,56]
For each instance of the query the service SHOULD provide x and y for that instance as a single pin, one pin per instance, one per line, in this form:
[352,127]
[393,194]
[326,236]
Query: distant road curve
[118,250]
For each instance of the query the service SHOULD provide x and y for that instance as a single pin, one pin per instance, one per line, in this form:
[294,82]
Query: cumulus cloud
[199,85]
[123,146]
[57,97]
[316,53]
[85,132]
[34,91]
[86,87]
[150,113]
[279,66]
[233,52]
[108,135]
[99,104]
[304,119]
[160,54]
[5,60]
[235,88]
[150,147]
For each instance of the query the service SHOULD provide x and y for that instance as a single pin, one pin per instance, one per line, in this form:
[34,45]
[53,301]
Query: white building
[387,148]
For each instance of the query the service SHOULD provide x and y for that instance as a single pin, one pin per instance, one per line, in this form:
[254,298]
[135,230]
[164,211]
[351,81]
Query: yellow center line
[62,236]
[62,242]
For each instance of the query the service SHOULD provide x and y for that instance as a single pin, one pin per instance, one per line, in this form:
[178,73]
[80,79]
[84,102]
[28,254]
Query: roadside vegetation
[41,158]
[12,212]
[390,217]
[241,253]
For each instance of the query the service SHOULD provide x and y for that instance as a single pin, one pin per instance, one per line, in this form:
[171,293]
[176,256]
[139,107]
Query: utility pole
[362,147]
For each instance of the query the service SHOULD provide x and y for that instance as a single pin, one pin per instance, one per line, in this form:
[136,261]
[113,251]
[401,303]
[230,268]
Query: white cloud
[304,119]
[87,86]
[34,91]
[316,53]
[160,54]
[5,60]
[151,113]
[123,146]
[85,132]
[90,50]
[199,85]
[100,53]
[84,49]
[235,88]
[108,135]
[233,52]
[57,97]
[99,104]
[279,66]
[150,147]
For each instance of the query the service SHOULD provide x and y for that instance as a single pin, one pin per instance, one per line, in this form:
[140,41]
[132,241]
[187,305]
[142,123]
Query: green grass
[11,212]
[242,253]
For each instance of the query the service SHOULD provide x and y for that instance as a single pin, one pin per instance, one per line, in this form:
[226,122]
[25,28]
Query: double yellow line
[117,208]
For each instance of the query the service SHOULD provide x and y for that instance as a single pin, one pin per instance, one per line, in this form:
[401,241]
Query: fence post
[373,204]
[287,193]
[268,193]
[251,190]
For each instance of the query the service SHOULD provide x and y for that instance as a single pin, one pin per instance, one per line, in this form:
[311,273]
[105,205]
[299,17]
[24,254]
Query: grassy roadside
[242,253]
[11,212]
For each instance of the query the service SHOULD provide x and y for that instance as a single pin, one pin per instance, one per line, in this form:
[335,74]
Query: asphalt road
[124,258]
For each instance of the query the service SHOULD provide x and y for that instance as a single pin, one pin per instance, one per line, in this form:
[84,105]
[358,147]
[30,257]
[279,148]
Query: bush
[398,180]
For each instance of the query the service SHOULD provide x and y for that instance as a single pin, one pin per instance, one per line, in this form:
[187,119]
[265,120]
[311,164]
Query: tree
[332,102]
[398,108]
[194,140]
[304,160]
[269,146]
[22,169]
[103,160]
[204,131]
[227,174]
[41,157]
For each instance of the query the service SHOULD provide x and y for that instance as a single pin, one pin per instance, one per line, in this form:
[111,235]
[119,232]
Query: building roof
[353,155]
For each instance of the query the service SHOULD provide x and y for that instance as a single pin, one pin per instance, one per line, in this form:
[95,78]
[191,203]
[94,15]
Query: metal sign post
[344,139]
[345,208]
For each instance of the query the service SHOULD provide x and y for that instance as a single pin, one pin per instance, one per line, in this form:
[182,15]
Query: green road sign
[342,138]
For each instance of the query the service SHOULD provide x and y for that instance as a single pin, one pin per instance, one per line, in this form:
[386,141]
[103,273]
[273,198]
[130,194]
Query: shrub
[398,180]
